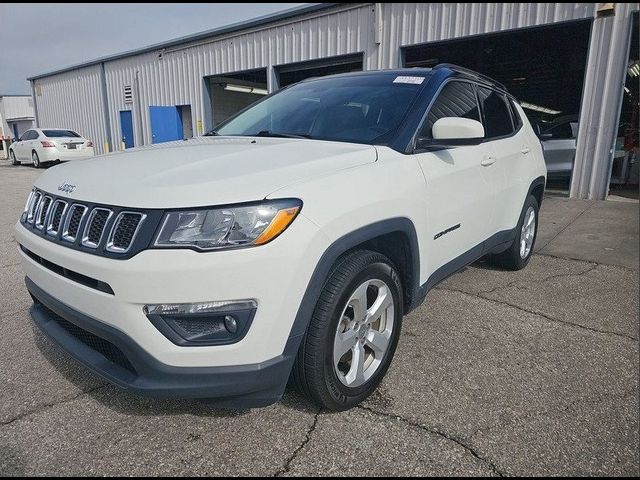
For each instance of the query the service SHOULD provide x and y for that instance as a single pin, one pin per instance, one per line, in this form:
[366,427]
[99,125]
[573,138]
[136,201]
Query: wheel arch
[537,190]
[395,238]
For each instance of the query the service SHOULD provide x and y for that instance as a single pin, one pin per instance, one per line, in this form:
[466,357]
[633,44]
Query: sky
[38,38]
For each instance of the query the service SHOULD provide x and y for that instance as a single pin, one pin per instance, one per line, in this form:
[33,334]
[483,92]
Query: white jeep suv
[290,241]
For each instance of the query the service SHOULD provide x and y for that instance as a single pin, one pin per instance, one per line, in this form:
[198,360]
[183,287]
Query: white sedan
[44,145]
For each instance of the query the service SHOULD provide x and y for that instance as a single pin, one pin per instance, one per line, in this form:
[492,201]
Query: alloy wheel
[364,333]
[528,233]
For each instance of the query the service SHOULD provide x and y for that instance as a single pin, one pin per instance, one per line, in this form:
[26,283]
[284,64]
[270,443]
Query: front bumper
[114,356]
[276,275]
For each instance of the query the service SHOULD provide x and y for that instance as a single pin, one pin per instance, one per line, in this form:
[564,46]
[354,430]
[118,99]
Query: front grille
[107,349]
[109,231]
[124,229]
[95,227]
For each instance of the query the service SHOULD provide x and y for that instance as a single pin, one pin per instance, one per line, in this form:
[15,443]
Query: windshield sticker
[413,80]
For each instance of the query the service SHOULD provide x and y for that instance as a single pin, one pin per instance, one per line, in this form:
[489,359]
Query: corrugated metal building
[116,100]
[16,116]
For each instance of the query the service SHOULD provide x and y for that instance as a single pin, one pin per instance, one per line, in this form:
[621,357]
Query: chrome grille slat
[124,231]
[73,221]
[43,210]
[55,218]
[37,196]
[95,227]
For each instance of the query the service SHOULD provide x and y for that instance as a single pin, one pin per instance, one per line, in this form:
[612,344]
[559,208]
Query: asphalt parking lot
[498,373]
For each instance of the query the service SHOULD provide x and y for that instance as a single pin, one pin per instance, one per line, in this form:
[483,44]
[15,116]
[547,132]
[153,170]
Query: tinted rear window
[59,133]
[497,117]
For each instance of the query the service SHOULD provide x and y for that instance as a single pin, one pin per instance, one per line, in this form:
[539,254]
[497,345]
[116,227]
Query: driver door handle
[488,160]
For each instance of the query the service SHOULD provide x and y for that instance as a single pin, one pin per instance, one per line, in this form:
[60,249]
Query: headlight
[227,227]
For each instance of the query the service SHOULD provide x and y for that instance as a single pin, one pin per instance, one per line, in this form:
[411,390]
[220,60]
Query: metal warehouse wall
[73,100]
[174,75]
[16,107]
[176,78]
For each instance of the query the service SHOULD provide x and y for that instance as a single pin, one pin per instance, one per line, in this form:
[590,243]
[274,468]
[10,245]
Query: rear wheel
[14,161]
[517,256]
[353,333]
[35,159]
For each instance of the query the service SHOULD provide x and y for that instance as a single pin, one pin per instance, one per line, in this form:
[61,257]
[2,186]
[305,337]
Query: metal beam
[601,103]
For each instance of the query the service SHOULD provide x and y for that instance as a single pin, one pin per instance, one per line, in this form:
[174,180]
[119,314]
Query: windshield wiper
[211,133]
[268,133]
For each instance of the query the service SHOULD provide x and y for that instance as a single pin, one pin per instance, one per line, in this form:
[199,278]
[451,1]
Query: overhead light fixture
[627,90]
[538,108]
[245,89]
[634,69]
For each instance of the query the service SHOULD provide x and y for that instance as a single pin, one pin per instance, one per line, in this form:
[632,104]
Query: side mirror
[453,132]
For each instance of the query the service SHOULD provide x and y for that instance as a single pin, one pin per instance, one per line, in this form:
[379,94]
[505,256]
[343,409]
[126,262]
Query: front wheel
[353,332]
[517,256]
[14,161]
[35,159]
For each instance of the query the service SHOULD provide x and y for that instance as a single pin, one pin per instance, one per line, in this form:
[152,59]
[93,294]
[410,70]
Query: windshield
[360,109]
[59,133]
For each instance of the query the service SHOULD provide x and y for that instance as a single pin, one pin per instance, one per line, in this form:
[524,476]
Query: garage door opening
[544,67]
[232,92]
[296,72]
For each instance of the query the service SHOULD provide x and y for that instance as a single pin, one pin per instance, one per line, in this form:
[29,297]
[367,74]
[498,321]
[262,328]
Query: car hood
[200,172]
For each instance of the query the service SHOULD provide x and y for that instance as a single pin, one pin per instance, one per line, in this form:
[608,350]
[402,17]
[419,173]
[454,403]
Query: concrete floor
[498,373]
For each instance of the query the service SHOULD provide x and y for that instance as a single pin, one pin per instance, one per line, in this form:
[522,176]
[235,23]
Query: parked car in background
[45,145]
[559,145]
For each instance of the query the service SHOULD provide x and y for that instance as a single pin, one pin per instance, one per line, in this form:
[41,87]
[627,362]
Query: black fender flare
[536,183]
[333,252]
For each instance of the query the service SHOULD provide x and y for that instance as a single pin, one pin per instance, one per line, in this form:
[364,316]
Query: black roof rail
[472,73]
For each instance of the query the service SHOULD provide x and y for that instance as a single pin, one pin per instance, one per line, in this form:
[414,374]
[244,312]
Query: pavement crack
[287,466]
[434,431]
[540,314]
[514,283]
[582,260]
[47,406]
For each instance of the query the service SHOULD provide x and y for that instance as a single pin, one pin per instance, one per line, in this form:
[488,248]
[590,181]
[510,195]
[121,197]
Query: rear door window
[497,117]
[29,135]
[25,136]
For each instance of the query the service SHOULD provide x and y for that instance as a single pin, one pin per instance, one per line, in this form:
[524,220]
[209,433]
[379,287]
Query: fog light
[206,323]
[231,324]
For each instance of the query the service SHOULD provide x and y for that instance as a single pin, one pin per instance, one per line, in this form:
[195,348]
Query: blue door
[126,125]
[166,124]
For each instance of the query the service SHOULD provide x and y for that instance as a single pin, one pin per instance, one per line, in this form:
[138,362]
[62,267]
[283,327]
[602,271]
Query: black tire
[13,158]
[511,259]
[36,159]
[313,371]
